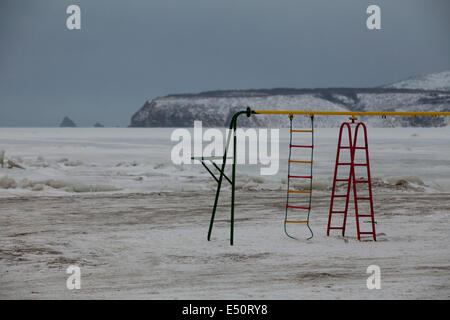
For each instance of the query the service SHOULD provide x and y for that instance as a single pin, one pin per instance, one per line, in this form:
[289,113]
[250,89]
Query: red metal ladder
[352,181]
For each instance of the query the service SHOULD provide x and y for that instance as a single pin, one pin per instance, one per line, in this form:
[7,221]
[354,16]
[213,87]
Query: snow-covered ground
[111,201]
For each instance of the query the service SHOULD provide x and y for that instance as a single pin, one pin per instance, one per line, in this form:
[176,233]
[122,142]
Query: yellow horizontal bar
[352,113]
[302,131]
[290,221]
[299,191]
[297,161]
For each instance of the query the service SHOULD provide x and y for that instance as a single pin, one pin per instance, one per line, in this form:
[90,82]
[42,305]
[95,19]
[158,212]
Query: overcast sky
[129,51]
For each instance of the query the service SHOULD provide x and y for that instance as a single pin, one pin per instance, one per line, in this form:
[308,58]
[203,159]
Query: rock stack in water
[67,123]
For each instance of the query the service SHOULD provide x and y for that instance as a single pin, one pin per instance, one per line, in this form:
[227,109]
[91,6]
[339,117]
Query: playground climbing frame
[232,135]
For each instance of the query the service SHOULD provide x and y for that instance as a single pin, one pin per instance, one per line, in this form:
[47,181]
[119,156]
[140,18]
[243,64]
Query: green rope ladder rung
[291,131]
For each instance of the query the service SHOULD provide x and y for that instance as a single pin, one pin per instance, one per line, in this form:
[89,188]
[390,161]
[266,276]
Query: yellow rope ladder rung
[300,191]
[292,130]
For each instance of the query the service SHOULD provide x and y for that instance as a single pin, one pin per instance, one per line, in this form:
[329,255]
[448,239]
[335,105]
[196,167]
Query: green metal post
[219,185]
[233,185]
[222,172]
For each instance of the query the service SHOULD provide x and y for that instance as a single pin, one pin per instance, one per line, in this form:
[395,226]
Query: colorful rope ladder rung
[299,161]
[293,221]
[300,177]
[310,131]
[300,191]
[299,146]
[296,207]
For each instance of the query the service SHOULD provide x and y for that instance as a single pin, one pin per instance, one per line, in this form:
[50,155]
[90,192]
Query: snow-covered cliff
[426,93]
[434,81]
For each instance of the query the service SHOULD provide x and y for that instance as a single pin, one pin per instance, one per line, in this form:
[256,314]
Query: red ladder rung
[336,228]
[295,207]
[363,198]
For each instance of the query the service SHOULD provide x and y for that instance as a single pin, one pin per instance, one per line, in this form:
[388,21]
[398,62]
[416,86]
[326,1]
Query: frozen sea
[110,201]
